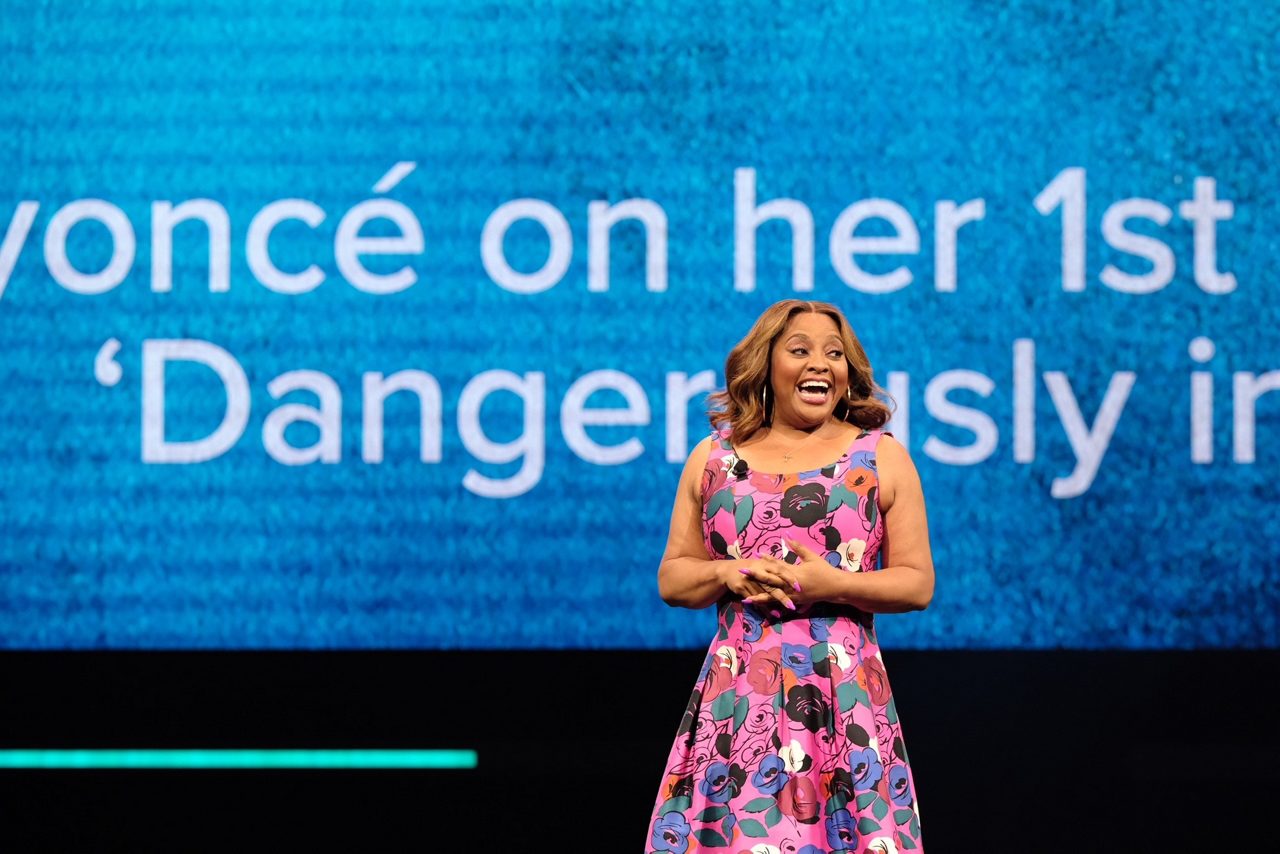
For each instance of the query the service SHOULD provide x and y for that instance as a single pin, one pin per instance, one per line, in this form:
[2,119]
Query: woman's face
[809,371]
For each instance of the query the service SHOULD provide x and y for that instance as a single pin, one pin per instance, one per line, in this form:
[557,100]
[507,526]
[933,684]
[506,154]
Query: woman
[791,742]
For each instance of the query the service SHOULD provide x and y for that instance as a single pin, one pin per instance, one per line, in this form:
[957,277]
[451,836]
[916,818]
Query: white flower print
[728,658]
[793,756]
[851,554]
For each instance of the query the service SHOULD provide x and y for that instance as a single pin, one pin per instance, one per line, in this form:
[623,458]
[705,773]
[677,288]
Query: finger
[784,571]
[764,573]
[804,551]
[781,596]
[763,602]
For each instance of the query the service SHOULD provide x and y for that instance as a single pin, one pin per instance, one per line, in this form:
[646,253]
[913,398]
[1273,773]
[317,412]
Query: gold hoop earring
[764,397]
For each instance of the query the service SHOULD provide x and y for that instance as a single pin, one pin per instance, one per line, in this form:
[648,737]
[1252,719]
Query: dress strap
[720,445]
[863,450]
[714,474]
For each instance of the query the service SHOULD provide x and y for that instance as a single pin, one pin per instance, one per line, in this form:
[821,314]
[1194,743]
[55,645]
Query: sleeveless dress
[791,743]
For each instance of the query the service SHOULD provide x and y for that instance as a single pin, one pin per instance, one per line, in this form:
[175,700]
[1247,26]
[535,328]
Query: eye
[836,354]
[798,350]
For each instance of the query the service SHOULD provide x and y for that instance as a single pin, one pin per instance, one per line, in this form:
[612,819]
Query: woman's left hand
[818,580]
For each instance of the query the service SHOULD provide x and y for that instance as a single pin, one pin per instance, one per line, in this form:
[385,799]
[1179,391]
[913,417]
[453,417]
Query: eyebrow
[832,337]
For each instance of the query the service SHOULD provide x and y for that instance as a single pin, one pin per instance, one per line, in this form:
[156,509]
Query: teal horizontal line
[249,759]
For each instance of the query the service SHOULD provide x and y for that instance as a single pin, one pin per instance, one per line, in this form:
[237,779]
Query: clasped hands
[769,581]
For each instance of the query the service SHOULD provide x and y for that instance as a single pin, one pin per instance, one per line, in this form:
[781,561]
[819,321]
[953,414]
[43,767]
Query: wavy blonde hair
[746,374]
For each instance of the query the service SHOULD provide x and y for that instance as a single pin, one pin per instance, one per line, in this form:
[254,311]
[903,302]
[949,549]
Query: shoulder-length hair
[746,374]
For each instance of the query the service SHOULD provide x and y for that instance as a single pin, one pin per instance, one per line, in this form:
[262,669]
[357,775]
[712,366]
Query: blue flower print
[671,833]
[772,775]
[862,459]
[898,788]
[820,627]
[752,625]
[722,782]
[842,832]
[796,657]
[866,769]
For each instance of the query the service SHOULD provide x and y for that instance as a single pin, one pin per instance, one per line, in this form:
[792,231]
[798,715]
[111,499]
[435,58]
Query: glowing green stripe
[250,759]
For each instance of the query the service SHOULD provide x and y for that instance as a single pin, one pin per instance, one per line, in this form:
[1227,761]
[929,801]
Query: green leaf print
[711,838]
[867,825]
[914,826]
[723,706]
[711,814]
[871,506]
[677,804]
[905,842]
[891,712]
[722,500]
[759,804]
[899,816]
[839,495]
[865,799]
[819,652]
[880,809]
[773,816]
[751,827]
[742,513]
[740,710]
[729,618]
[850,694]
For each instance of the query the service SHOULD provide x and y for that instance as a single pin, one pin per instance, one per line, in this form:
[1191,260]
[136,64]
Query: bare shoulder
[691,477]
[894,468]
[701,452]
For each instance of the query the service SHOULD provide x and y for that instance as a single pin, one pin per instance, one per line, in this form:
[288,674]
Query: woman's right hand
[758,581]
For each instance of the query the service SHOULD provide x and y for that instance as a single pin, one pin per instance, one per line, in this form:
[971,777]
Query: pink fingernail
[745,571]
[796,585]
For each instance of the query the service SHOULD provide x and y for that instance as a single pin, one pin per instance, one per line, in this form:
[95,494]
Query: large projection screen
[390,325]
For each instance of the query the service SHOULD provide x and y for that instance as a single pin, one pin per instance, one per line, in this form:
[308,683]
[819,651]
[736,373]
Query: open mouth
[816,392]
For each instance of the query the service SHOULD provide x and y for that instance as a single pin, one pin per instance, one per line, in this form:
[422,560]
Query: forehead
[813,324]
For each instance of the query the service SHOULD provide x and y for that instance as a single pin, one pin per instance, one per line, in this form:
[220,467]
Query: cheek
[777,370]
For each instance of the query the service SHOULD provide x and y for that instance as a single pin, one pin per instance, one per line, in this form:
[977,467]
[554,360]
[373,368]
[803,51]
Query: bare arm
[687,576]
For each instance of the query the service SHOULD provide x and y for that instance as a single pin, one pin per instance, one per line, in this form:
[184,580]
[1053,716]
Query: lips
[814,392]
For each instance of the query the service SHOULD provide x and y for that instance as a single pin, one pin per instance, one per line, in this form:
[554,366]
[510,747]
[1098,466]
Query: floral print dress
[791,743]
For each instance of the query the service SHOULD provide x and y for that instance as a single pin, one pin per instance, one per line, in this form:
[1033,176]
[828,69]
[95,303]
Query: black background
[1011,750]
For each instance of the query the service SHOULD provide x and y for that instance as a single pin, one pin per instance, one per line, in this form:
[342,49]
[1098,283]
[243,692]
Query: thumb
[802,550]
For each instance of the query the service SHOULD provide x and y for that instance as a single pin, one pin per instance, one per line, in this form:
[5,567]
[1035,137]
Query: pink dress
[791,743]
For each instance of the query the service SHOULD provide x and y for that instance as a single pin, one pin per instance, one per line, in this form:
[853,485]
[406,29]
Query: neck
[784,430]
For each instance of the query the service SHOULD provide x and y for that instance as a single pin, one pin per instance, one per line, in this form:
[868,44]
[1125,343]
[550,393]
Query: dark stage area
[1012,751]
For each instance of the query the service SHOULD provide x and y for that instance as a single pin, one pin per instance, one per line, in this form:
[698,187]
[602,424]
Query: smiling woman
[791,738]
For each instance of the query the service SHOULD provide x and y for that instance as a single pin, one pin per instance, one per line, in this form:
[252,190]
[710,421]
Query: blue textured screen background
[249,103]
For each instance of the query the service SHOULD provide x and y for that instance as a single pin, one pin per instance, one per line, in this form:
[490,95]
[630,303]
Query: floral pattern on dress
[791,742]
